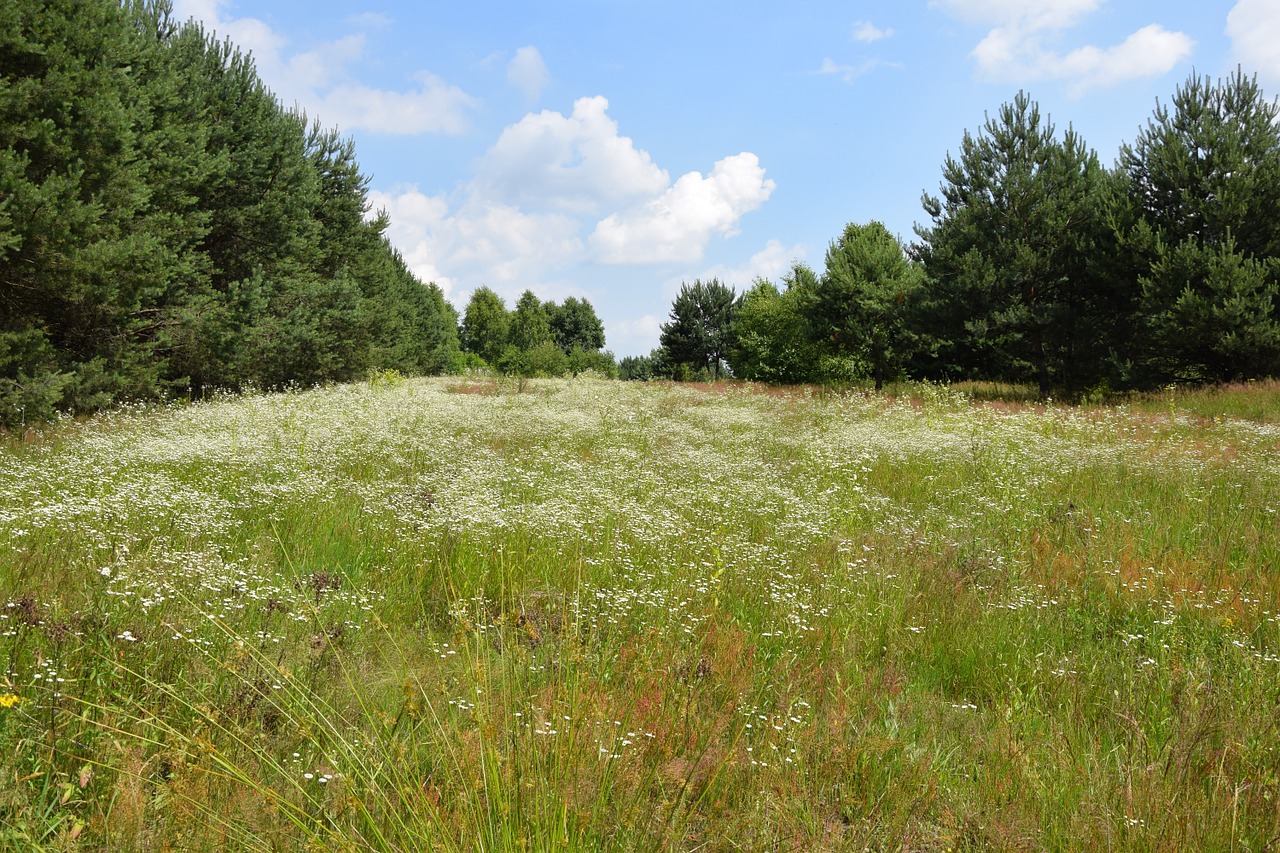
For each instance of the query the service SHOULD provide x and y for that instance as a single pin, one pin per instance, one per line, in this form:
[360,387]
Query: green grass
[460,615]
[1253,400]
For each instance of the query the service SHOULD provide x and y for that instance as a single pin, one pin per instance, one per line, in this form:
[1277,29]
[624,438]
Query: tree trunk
[1042,366]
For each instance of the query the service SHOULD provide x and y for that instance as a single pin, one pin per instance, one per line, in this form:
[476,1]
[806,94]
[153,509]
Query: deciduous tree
[575,325]
[485,325]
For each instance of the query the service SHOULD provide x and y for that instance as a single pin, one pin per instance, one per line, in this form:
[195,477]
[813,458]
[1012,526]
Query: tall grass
[578,614]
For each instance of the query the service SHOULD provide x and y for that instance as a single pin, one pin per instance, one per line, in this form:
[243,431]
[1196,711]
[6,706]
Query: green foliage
[1007,253]
[530,325]
[165,224]
[773,340]
[536,338]
[862,305]
[1212,313]
[640,368]
[1210,166]
[698,337]
[1203,182]
[30,386]
[575,325]
[592,361]
[485,325]
[544,359]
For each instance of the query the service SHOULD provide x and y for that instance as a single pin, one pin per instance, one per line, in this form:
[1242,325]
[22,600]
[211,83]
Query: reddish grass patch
[486,388]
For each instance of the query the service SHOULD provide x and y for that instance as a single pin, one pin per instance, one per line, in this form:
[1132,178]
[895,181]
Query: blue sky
[612,150]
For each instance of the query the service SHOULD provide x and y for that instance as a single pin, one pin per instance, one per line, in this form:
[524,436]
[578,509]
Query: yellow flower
[8,700]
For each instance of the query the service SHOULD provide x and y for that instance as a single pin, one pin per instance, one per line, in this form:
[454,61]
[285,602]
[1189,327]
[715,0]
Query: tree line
[1038,265]
[535,338]
[167,226]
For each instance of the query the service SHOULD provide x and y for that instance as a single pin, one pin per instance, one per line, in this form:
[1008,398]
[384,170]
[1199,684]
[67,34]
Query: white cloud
[322,81]
[1019,48]
[415,221]
[528,73]
[865,31]
[482,242]
[1254,29]
[1149,52]
[522,220]
[851,73]
[636,334]
[677,225]
[575,163]
[771,262]
[433,107]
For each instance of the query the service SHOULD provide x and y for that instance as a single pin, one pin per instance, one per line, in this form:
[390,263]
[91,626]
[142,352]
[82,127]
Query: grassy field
[468,614]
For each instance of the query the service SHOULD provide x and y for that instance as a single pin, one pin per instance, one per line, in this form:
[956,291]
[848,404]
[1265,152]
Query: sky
[614,149]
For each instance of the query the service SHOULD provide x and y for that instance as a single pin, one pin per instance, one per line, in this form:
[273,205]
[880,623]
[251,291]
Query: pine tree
[1203,182]
[862,303]
[698,336]
[1007,254]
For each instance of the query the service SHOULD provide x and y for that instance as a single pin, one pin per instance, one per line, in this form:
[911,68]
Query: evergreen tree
[1203,182]
[1007,255]
[697,338]
[165,223]
[83,249]
[861,306]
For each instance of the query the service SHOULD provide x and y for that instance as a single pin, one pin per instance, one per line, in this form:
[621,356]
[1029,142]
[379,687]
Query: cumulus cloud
[523,218]
[677,225]
[635,334]
[1254,29]
[322,80]
[1149,52]
[865,31]
[771,262]
[1019,47]
[528,73]
[481,242]
[573,163]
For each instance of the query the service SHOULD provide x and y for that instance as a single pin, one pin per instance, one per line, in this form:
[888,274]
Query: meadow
[485,614]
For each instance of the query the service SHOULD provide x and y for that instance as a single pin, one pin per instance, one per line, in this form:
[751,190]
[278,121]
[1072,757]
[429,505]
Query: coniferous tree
[1203,183]
[1007,254]
[861,307]
[83,250]
[165,223]
[698,336]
